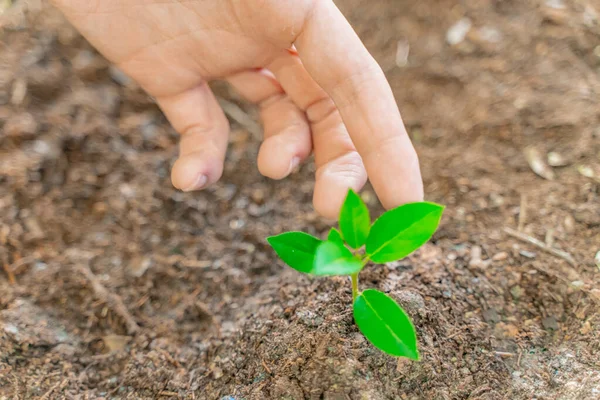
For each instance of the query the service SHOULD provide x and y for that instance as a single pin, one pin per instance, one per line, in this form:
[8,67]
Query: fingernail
[198,184]
[293,164]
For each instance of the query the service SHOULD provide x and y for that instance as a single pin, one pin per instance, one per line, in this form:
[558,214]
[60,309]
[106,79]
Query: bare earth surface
[114,285]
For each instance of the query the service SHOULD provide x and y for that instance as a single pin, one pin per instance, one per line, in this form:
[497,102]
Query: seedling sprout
[347,250]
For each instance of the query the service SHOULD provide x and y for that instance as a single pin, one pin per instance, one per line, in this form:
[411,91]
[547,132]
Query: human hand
[330,97]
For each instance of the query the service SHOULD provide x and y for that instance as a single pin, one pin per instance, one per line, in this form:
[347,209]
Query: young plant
[393,236]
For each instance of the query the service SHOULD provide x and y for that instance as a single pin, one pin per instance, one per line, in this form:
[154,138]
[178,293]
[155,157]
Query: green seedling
[393,236]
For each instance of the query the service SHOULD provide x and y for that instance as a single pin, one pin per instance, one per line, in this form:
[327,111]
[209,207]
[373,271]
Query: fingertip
[333,181]
[195,171]
[279,156]
[397,181]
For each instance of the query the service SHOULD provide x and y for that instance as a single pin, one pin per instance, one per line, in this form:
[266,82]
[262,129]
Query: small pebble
[411,301]
[258,196]
[491,315]
[217,373]
[500,256]
[19,92]
[23,125]
[556,160]
[527,254]
[550,323]
[457,32]
[368,197]
[119,76]
[516,292]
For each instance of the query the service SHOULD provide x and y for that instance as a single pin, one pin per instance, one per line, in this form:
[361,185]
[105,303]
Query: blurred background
[115,285]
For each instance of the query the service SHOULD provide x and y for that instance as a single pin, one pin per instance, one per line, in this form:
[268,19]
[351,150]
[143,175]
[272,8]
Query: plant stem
[354,278]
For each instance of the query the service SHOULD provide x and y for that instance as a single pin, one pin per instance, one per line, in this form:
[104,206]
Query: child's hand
[173,47]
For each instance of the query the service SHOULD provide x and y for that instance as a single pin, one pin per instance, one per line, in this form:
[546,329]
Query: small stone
[237,223]
[569,223]
[597,259]
[555,12]
[309,318]
[139,266]
[411,301]
[258,211]
[497,200]
[27,324]
[556,160]
[258,196]
[516,292]
[86,64]
[589,172]
[538,164]
[507,331]
[527,254]
[550,323]
[402,51]
[19,92]
[500,256]
[284,388]
[490,34]
[491,315]
[115,342]
[475,256]
[586,328]
[457,32]
[217,373]
[368,197]
[119,76]
[21,125]
[556,4]
[65,350]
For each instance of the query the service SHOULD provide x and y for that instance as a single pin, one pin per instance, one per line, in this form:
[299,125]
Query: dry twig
[113,300]
[531,240]
[522,212]
[58,385]
[240,116]
[9,273]
[181,260]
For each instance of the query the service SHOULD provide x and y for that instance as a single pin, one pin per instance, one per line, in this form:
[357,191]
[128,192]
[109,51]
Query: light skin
[318,88]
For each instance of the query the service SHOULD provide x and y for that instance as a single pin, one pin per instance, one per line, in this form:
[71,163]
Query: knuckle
[320,110]
[349,87]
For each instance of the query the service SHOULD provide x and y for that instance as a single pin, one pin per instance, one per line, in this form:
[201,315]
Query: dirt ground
[116,286]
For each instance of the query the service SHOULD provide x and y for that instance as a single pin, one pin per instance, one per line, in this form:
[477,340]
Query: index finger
[339,62]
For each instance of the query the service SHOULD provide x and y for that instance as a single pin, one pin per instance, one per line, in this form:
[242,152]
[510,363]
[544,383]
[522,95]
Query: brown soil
[115,285]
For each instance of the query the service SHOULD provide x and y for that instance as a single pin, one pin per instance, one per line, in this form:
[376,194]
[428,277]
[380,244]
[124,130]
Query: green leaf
[296,249]
[334,258]
[335,236]
[354,220]
[385,324]
[400,231]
